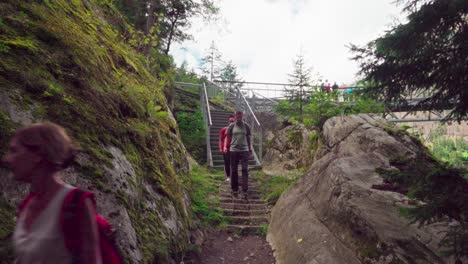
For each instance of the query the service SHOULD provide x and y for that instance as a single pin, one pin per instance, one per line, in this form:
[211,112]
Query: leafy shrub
[453,151]
[323,105]
[192,130]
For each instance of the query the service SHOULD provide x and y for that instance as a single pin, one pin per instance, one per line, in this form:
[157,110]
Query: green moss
[273,186]
[369,251]
[7,223]
[295,137]
[66,63]
[24,43]
[204,201]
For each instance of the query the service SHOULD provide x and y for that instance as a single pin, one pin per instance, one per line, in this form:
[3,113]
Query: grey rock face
[332,215]
[121,178]
[287,149]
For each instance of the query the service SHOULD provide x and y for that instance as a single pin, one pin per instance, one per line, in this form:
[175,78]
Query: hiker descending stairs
[219,120]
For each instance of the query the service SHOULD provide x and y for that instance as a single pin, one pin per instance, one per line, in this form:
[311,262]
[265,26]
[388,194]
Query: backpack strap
[24,203]
[247,130]
[69,220]
[229,130]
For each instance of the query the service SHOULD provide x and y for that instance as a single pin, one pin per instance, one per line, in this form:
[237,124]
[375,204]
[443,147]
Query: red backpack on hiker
[68,220]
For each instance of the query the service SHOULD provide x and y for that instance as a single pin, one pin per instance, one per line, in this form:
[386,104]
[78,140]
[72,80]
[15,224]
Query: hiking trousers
[243,158]
[227,163]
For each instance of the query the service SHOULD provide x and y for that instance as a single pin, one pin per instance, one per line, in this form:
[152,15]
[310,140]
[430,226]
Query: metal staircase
[219,120]
[214,120]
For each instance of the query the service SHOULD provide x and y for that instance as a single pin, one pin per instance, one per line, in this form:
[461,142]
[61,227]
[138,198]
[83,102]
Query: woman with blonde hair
[36,155]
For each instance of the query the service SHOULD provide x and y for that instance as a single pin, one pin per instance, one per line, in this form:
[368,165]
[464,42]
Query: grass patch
[263,231]
[273,186]
[204,197]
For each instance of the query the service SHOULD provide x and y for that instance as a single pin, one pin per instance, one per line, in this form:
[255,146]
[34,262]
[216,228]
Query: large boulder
[333,215]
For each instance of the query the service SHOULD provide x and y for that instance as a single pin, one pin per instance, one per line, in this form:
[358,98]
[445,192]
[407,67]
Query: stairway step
[251,167]
[227,190]
[243,229]
[228,195]
[248,220]
[241,201]
[229,212]
[236,206]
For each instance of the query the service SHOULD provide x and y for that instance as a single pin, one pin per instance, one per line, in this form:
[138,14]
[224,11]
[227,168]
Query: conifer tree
[300,80]
[425,55]
[230,76]
[212,63]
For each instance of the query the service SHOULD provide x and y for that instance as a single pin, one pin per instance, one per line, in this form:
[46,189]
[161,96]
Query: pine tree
[230,76]
[212,63]
[300,80]
[427,54]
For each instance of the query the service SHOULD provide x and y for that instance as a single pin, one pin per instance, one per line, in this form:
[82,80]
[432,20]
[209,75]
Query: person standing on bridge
[222,149]
[238,143]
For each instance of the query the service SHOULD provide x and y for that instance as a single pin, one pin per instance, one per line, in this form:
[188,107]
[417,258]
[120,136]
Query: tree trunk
[171,34]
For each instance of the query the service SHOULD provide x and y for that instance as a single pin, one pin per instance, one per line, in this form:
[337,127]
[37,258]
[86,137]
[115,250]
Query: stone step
[228,195]
[251,167]
[244,229]
[242,201]
[253,186]
[221,157]
[248,220]
[236,206]
[252,190]
[229,212]
[221,163]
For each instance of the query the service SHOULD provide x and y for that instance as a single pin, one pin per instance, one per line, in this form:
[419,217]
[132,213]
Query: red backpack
[68,220]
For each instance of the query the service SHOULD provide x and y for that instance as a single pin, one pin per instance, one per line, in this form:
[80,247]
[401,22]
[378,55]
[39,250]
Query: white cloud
[263,37]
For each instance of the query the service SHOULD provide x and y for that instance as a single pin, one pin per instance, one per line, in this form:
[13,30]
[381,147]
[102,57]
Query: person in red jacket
[36,155]
[222,149]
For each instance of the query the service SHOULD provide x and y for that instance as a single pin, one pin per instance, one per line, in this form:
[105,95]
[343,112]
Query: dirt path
[226,248]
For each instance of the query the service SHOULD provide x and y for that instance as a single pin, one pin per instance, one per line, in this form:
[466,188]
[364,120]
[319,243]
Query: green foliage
[424,55]
[295,137]
[182,74]
[263,231]
[7,223]
[193,135]
[323,106]
[300,80]
[203,196]
[453,151]
[272,187]
[443,192]
[161,23]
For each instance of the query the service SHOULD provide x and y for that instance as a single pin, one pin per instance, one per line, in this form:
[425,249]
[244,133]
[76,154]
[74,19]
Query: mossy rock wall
[68,62]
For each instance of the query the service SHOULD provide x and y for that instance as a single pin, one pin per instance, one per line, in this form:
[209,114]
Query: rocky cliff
[289,148]
[68,62]
[333,215]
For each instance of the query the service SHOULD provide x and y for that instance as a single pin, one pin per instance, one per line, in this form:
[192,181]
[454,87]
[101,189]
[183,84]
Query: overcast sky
[262,37]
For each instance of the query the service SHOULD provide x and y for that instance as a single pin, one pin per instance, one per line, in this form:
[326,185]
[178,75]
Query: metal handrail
[248,105]
[266,98]
[207,104]
[205,107]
